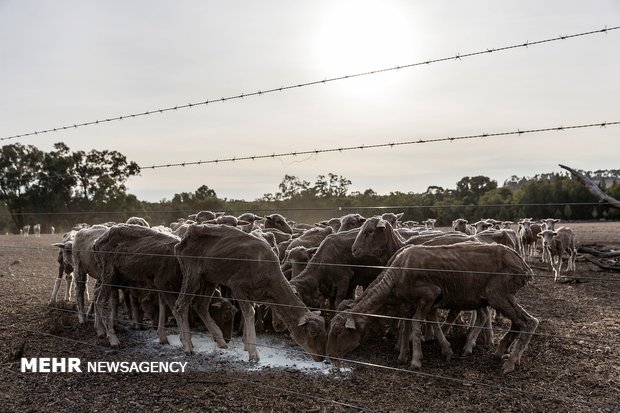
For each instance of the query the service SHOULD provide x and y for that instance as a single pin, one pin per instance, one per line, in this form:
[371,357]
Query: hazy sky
[74,61]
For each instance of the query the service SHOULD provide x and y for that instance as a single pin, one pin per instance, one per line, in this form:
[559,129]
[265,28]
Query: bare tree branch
[593,188]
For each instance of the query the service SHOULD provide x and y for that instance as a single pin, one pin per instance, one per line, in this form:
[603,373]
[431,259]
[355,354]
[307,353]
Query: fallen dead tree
[605,259]
[593,188]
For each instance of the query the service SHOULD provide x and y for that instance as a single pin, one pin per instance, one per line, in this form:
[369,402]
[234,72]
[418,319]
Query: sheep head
[345,334]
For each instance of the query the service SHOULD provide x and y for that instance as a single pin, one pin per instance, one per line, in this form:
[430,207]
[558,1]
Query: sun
[357,36]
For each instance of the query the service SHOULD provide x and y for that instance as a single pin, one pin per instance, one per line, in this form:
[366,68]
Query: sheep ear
[317,312]
[539,235]
[59,245]
[350,324]
[399,216]
[241,222]
[302,321]
[216,305]
[555,233]
[211,221]
[258,218]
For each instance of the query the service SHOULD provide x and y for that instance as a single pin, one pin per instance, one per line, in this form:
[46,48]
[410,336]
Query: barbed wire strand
[282,208]
[411,372]
[335,311]
[381,145]
[458,56]
[327,264]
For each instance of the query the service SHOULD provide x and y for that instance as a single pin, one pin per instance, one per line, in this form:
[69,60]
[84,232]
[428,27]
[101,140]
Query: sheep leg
[191,285]
[404,337]
[61,270]
[137,315]
[249,334]
[523,325]
[68,286]
[165,300]
[114,309]
[479,319]
[93,306]
[80,287]
[201,305]
[433,324]
[487,330]
[450,320]
[423,307]
[103,308]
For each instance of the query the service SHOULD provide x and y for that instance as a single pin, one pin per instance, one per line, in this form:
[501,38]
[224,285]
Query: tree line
[64,187]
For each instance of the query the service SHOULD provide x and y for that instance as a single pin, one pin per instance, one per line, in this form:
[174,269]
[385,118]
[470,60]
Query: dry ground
[572,365]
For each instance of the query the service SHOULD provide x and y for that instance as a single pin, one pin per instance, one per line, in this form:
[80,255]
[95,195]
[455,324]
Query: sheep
[461,225]
[36,230]
[412,224]
[25,230]
[138,257]
[351,221]
[311,238]
[549,223]
[138,221]
[85,264]
[556,243]
[334,223]
[52,230]
[176,224]
[223,253]
[251,219]
[203,216]
[279,235]
[447,286]
[65,266]
[507,224]
[392,218]
[525,234]
[482,226]
[378,239]
[296,260]
[429,224]
[278,222]
[333,272]
[230,220]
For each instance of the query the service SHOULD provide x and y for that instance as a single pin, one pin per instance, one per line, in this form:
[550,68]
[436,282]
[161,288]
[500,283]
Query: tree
[33,181]
[19,165]
[470,189]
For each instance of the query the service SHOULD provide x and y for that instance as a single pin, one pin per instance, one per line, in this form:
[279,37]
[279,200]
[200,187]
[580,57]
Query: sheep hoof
[466,352]
[164,340]
[415,364]
[509,367]
[448,354]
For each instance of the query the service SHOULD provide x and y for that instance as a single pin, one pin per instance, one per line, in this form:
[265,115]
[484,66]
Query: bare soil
[572,364]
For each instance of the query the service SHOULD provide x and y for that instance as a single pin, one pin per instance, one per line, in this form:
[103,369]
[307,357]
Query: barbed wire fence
[353,405]
[456,57]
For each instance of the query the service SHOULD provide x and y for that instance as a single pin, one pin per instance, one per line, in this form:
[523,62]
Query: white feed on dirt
[275,352]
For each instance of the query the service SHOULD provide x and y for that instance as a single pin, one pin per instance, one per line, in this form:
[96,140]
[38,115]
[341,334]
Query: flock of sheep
[211,264]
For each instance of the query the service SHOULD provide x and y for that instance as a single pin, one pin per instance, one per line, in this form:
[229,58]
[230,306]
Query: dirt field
[572,364]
